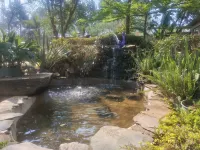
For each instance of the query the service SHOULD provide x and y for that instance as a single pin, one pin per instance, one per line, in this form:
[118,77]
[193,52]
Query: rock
[5,124]
[137,127]
[157,105]
[105,112]
[147,122]
[54,75]
[113,138]
[115,97]
[9,116]
[157,113]
[24,146]
[134,96]
[73,146]
[5,138]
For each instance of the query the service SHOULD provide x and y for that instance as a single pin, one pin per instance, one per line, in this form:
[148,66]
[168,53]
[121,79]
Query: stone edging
[11,110]
[147,121]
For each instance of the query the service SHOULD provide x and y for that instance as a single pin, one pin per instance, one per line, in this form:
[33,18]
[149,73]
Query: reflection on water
[69,114]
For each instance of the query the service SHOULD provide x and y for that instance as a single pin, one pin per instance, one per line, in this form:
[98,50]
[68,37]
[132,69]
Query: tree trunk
[128,17]
[55,32]
[50,6]
[71,13]
[61,18]
[145,25]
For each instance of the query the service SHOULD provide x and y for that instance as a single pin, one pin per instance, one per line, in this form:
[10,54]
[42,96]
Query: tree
[15,14]
[119,10]
[60,13]
[84,14]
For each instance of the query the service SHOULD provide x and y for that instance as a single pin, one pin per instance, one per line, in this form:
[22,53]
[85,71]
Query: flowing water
[68,114]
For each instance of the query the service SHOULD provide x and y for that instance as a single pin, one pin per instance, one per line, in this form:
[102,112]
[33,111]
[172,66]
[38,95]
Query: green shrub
[3,144]
[82,41]
[177,70]
[56,52]
[76,53]
[177,131]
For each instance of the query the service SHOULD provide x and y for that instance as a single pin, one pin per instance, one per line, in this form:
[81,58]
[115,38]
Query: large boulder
[114,138]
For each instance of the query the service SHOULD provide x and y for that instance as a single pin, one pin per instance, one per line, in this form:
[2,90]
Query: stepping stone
[24,146]
[5,124]
[114,138]
[137,127]
[157,113]
[157,105]
[8,116]
[73,146]
[147,122]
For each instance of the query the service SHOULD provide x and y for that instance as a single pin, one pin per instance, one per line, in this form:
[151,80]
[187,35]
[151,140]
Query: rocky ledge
[11,110]
[108,137]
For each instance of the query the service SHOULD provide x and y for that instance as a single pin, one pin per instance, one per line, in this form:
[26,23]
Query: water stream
[75,113]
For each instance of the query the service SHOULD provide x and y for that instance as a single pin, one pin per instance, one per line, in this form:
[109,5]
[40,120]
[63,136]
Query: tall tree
[15,14]
[84,14]
[119,10]
[60,13]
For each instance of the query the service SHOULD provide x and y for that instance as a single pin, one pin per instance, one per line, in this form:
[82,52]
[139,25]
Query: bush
[77,54]
[177,66]
[177,131]
[180,131]
[56,51]
[81,41]
[3,144]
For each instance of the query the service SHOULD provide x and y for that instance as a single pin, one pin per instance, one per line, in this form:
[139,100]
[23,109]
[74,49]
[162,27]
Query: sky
[97,2]
[6,2]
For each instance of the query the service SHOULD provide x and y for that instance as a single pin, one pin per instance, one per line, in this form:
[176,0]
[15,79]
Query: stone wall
[25,85]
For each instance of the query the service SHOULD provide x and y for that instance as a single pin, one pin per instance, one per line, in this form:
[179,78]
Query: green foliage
[175,66]
[81,41]
[57,51]
[13,49]
[83,57]
[146,65]
[3,144]
[99,28]
[79,53]
[178,131]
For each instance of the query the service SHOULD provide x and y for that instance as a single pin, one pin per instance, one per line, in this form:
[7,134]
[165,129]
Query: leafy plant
[57,51]
[3,144]
[178,131]
[14,50]
[178,66]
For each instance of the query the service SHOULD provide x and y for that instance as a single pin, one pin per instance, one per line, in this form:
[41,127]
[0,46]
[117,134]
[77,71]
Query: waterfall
[116,51]
[111,69]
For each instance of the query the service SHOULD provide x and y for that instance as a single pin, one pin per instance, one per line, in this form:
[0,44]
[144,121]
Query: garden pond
[66,114]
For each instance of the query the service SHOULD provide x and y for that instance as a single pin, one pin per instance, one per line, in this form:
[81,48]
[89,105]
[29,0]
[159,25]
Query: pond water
[68,114]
